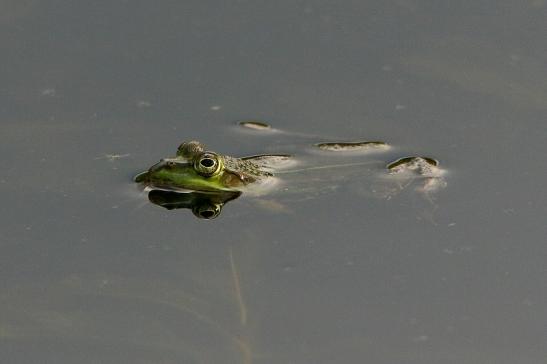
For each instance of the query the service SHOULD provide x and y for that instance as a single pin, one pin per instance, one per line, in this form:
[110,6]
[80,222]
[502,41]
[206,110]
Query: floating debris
[255,124]
[49,92]
[143,104]
[351,146]
[423,166]
[113,157]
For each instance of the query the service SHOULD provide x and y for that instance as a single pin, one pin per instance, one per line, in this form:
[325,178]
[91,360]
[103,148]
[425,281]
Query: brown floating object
[413,160]
[424,166]
[254,124]
[351,146]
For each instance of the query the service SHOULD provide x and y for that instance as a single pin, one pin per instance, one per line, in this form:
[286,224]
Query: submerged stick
[242,342]
[237,288]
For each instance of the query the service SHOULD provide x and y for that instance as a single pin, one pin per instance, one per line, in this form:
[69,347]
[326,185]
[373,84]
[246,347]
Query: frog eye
[189,149]
[207,211]
[208,164]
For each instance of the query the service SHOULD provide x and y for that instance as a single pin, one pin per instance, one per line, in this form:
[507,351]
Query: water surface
[92,94]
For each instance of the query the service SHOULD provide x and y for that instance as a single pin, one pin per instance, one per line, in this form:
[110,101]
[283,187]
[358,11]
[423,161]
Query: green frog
[196,169]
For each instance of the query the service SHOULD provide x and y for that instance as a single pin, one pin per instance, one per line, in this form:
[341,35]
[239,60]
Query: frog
[194,168]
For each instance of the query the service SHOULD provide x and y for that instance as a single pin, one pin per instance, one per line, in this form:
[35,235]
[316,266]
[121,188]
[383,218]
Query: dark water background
[93,273]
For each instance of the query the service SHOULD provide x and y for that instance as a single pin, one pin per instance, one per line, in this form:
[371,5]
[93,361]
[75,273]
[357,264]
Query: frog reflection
[204,205]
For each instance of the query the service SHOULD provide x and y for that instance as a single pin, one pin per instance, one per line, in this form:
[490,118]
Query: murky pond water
[347,268]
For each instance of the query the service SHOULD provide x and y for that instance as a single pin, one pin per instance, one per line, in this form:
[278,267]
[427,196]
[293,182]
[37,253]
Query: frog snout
[157,166]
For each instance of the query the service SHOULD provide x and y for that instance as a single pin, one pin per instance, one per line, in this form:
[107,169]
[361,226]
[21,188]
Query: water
[93,94]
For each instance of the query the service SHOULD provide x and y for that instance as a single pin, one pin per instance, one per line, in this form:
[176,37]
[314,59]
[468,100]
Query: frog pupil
[207,162]
[207,214]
